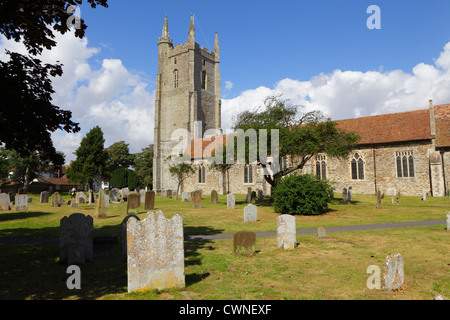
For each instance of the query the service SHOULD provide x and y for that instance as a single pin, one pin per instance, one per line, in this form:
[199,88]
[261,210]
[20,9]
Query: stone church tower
[187,97]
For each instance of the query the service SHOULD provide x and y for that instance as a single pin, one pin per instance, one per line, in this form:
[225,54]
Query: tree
[119,156]
[133,180]
[91,159]
[27,115]
[179,171]
[300,138]
[143,166]
[119,178]
[222,166]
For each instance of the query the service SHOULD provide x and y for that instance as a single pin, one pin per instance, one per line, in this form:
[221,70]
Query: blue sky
[318,54]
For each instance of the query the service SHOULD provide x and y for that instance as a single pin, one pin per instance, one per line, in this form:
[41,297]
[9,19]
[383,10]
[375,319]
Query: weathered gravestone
[349,194]
[57,200]
[149,203]
[114,194]
[231,201]
[169,194]
[124,234]
[125,192]
[142,195]
[44,197]
[424,194]
[344,194]
[186,196]
[100,209]
[21,203]
[321,232]
[155,253]
[244,243]
[76,239]
[260,195]
[250,213]
[378,199]
[164,193]
[286,232]
[393,272]
[214,197]
[448,221]
[197,199]
[106,200]
[5,203]
[133,202]
[81,197]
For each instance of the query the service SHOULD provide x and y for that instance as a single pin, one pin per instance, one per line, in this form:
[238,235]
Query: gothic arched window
[201,174]
[321,167]
[248,174]
[357,167]
[204,79]
[405,164]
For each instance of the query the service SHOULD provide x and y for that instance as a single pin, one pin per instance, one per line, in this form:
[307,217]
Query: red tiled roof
[57,181]
[387,128]
[442,116]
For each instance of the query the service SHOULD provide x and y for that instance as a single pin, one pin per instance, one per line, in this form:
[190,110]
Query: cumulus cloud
[228,85]
[349,94]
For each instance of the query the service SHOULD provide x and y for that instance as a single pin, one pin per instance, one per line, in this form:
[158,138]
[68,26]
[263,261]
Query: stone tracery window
[201,174]
[405,164]
[248,174]
[321,167]
[357,167]
[175,79]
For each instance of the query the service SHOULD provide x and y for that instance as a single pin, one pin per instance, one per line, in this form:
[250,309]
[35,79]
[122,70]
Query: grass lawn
[330,268]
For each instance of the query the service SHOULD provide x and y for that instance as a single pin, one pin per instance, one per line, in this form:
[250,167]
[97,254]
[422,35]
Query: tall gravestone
[21,203]
[142,195]
[349,194]
[44,197]
[114,194]
[393,272]
[250,213]
[125,192]
[244,243]
[197,199]
[76,242]
[231,201]
[214,197]
[133,202]
[378,199]
[149,203]
[448,221]
[5,203]
[260,195]
[100,209]
[155,253]
[124,234]
[286,232]
[56,200]
[344,194]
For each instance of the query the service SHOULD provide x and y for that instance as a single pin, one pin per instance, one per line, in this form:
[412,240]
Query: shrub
[119,178]
[133,180]
[302,194]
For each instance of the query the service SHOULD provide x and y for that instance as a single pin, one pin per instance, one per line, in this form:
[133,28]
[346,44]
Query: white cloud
[228,85]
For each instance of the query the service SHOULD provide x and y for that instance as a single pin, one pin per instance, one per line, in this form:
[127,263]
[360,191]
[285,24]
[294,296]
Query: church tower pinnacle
[191,37]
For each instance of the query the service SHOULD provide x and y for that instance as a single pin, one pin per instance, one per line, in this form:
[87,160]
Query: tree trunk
[26,180]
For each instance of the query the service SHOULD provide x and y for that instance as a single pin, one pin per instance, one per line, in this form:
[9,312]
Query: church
[407,151]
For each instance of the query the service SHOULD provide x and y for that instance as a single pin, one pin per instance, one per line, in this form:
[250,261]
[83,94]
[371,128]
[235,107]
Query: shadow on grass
[13,215]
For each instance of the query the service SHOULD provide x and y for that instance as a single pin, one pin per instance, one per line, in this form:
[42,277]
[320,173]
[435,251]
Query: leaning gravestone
[393,272]
[100,210]
[155,253]
[114,194]
[244,243]
[76,239]
[133,202]
[5,203]
[231,201]
[214,197]
[321,232]
[44,197]
[197,199]
[149,201]
[286,232]
[124,234]
[57,200]
[186,196]
[21,203]
[250,213]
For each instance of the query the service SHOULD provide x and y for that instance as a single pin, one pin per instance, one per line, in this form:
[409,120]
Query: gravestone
[155,251]
[57,200]
[114,194]
[321,232]
[100,210]
[164,193]
[253,197]
[344,194]
[231,201]
[399,197]
[133,202]
[91,199]
[169,194]
[260,195]
[76,240]
[142,195]
[106,199]
[5,203]
[250,213]
[214,197]
[149,203]
[186,196]
[197,199]
[378,199]
[81,197]
[448,221]
[21,202]
[244,243]
[286,232]
[124,234]
[125,192]
[393,272]
[248,197]
[424,194]
[44,197]
[74,205]
[349,194]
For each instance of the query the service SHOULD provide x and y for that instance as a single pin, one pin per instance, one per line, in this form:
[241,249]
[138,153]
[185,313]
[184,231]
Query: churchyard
[330,267]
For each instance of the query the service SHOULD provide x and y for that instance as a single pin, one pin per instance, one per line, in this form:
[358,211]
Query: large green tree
[27,114]
[179,170]
[301,135]
[119,156]
[143,166]
[91,161]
